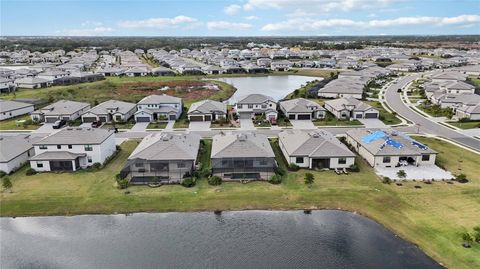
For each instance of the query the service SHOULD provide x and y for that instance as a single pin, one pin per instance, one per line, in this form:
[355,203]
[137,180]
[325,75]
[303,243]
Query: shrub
[462,178]
[6,183]
[2,173]
[30,172]
[118,148]
[188,182]
[276,179]
[215,181]
[123,183]
[354,168]
[96,165]
[293,167]
[467,239]
[280,171]
[476,235]
[309,179]
[386,180]
[402,174]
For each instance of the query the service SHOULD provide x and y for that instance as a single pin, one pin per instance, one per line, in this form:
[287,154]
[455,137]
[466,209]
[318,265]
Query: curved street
[394,101]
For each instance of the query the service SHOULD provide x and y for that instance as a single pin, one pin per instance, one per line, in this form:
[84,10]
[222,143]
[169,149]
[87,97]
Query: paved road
[393,99]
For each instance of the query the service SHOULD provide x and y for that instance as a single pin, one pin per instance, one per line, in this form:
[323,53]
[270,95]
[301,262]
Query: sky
[238,17]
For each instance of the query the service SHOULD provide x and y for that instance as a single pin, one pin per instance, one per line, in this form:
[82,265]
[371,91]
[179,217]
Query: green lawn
[385,116]
[466,125]
[436,110]
[157,125]
[433,217]
[11,124]
[183,121]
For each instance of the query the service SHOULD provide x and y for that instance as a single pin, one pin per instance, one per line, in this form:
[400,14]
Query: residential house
[242,156]
[15,151]
[468,112]
[60,110]
[156,107]
[165,158]
[207,110]
[282,65]
[10,109]
[351,108]
[7,85]
[112,110]
[314,150]
[71,149]
[302,109]
[32,83]
[257,104]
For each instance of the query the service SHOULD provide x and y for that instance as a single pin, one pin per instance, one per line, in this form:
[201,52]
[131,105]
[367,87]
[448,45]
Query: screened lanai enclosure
[259,168]
[140,171]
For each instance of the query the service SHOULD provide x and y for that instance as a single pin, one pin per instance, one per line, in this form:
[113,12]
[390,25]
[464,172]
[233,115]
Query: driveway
[170,125]
[373,123]
[86,124]
[302,124]
[139,127]
[46,128]
[246,124]
[423,172]
[199,126]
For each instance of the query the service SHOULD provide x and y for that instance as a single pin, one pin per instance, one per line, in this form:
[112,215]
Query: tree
[7,184]
[402,174]
[309,179]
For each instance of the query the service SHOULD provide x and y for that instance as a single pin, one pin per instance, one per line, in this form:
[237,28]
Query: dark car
[59,124]
[399,90]
[96,124]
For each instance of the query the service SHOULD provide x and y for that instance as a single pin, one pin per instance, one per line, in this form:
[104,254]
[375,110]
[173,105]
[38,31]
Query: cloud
[232,9]
[159,22]
[91,23]
[96,31]
[225,25]
[308,24]
[251,18]
[316,5]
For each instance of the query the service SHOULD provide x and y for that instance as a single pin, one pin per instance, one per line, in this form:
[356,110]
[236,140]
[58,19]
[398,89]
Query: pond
[239,239]
[275,86]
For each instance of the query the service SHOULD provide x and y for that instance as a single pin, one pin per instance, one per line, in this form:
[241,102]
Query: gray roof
[345,85]
[300,105]
[62,107]
[30,80]
[208,106]
[255,98]
[12,146]
[164,146]
[159,99]
[6,105]
[450,76]
[466,99]
[314,144]
[470,109]
[348,103]
[241,145]
[77,136]
[460,85]
[118,106]
[378,147]
[57,155]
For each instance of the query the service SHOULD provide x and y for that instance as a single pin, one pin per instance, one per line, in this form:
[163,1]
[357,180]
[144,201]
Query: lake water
[275,86]
[243,239]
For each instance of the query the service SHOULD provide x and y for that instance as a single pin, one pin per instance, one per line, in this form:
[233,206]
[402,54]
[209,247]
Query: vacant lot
[433,216]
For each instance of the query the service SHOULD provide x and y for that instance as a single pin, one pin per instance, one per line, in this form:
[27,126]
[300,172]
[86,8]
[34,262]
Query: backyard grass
[11,124]
[432,217]
[385,116]
[157,125]
[183,121]
[466,124]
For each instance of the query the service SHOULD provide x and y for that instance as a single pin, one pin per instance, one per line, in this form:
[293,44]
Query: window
[139,165]
[43,146]
[181,165]
[70,146]
[39,164]
[386,160]
[89,159]
[425,158]
[299,160]
[88,148]
[59,146]
[342,160]
[239,106]
[264,106]
[263,162]
[250,106]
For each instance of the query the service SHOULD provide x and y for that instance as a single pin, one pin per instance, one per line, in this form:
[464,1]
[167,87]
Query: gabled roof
[450,76]
[57,155]
[62,107]
[313,144]
[7,105]
[300,105]
[118,106]
[459,85]
[159,99]
[12,146]
[164,147]
[208,106]
[76,136]
[347,102]
[255,98]
[30,80]
[241,145]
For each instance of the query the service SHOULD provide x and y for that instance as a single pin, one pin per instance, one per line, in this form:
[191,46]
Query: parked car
[59,124]
[96,124]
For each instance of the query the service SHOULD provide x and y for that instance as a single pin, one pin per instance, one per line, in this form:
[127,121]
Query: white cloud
[91,23]
[232,9]
[316,5]
[251,18]
[225,25]
[159,22]
[308,24]
[96,31]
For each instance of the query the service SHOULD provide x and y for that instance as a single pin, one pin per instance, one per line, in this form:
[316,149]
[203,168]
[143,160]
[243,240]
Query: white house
[314,150]
[351,108]
[112,110]
[256,104]
[283,65]
[468,112]
[155,107]
[71,149]
[10,109]
[60,110]
[32,83]
[302,109]
[14,152]
[207,110]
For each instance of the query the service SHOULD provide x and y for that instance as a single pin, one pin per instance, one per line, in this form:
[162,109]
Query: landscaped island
[429,216]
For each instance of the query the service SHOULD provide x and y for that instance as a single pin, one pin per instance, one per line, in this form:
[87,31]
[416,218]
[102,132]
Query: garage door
[171,117]
[291,116]
[102,119]
[208,117]
[304,117]
[371,115]
[142,119]
[196,118]
[89,119]
[51,119]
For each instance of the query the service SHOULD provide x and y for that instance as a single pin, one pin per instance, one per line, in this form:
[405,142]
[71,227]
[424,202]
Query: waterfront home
[71,149]
[314,150]
[157,107]
[15,151]
[60,110]
[32,83]
[108,111]
[10,109]
[389,148]
[242,156]
[282,65]
[207,110]
[166,158]
[257,104]
[343,87]
[302,109]
[351,108]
